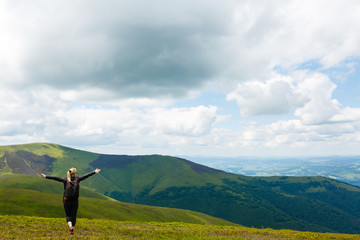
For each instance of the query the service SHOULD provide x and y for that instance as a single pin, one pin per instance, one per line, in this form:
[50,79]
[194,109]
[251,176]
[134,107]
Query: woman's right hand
[43,175]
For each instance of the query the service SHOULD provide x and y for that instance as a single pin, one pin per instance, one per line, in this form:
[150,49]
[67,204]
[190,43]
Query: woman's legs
[71,207]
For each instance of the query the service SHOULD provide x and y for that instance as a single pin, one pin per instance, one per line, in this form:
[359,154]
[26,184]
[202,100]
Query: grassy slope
[22,227]
[34,203]
[66,159]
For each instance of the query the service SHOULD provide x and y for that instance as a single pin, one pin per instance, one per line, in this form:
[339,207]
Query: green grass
[66,157]
[24,227]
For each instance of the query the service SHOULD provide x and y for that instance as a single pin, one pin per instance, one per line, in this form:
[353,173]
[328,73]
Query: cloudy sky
[196,78]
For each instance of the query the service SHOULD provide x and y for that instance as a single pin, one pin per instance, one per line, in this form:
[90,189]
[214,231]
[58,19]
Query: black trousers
[71,207]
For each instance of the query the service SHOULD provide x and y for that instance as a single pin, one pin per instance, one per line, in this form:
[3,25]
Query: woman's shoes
[72,230]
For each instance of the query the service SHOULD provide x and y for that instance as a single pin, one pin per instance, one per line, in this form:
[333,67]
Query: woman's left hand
[97,170]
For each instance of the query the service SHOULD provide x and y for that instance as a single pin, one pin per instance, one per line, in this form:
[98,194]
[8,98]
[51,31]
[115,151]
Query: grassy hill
[300,203]
[22,227]
[41,204]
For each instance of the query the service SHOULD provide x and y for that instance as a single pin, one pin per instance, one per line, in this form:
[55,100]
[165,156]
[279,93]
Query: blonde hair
[71,172]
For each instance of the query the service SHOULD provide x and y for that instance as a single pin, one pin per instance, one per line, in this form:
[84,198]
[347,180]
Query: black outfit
[71,204]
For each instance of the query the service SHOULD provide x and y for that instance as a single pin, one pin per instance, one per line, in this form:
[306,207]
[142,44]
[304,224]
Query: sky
[182,78]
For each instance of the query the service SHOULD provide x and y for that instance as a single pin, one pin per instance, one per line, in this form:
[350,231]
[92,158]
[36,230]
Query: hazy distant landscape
[343,168]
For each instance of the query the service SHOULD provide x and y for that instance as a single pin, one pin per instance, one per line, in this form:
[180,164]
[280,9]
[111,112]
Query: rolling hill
[300,203]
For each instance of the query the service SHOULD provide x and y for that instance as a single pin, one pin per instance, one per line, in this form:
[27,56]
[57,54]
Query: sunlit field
[23,227]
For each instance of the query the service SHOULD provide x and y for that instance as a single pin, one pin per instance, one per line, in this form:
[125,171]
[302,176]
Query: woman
[71,194]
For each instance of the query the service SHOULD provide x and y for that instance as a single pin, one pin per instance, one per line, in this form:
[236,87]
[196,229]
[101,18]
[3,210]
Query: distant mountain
[300,203]
[342,168]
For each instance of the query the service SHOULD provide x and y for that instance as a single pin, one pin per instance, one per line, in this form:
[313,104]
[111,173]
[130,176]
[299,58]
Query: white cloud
[292,136]
[71,75]
[195,121]
[41,115]
[27,112]
[134,49]
[309,95]
[347,115]
[293,32]
[321,107]
[36,116]
[276,96]
[142,49]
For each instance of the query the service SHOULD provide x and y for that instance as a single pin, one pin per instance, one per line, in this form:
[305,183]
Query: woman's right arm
[54,178]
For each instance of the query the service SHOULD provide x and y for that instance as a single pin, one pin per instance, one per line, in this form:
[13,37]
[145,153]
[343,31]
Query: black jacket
[75,180]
